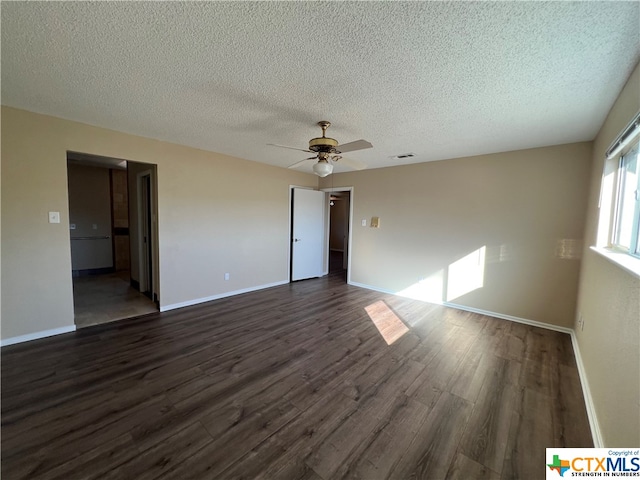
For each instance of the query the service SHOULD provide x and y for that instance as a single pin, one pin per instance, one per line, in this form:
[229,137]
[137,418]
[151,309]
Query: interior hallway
[336,265]
[100,299]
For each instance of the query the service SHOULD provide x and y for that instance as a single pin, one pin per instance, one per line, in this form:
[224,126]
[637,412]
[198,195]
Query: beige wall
[216,214]
[89,205]
[609,302]
[500,233]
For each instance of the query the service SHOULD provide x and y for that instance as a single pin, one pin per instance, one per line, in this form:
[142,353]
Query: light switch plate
[364,222]
[54,217]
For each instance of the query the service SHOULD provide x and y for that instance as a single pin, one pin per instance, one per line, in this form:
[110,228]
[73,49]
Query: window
[618,231]
[627,218]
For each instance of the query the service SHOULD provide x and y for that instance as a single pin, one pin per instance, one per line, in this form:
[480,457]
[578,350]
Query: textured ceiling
[437,79]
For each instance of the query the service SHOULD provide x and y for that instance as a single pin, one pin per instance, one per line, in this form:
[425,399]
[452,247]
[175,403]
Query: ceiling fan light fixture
[327,151]
[322,168]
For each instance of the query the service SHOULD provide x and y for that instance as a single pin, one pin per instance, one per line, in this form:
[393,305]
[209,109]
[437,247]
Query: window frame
[621,186]
[608,202]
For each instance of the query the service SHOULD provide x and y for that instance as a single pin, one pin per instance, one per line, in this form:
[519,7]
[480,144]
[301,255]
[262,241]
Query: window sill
[622,260]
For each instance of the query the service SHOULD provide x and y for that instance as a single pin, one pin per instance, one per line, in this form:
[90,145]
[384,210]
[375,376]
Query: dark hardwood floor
[293,382]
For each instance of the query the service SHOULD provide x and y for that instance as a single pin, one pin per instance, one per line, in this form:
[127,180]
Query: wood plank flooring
[293,382]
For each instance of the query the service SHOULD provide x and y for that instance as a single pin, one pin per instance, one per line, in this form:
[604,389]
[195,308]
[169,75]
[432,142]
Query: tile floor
[100,299]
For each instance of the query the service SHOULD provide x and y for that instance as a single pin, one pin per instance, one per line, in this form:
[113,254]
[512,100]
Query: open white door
[308,223]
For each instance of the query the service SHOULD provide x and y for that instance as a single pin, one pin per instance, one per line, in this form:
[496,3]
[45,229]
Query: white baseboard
[34,336]
[503,316]
[588,399]
[526,321]
[371,287]
[196,301]
[586,392]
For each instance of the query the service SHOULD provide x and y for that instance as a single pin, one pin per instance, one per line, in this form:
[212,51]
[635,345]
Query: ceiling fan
[328,152]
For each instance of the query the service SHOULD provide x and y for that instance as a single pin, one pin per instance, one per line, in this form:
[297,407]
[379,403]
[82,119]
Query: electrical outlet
[226,276]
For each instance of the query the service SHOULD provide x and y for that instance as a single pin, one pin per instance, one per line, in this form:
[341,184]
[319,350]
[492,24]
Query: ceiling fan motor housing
[323,144]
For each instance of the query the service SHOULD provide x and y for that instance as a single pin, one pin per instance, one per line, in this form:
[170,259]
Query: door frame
[329,191]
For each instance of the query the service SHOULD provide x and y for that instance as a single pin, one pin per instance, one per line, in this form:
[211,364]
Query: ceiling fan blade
[301,162]
[351,163]
[290,148]
[353,146]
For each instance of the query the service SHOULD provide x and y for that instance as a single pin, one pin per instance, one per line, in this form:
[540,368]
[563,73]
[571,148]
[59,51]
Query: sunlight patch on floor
[388,324]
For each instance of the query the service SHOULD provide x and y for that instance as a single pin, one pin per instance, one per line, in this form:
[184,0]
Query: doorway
[339,233]
[329,221]
[110,201]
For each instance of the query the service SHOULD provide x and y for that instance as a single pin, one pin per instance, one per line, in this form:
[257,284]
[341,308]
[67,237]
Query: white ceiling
[437,79]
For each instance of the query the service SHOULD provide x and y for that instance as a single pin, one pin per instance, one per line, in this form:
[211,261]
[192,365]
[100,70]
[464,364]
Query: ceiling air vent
[403,156]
